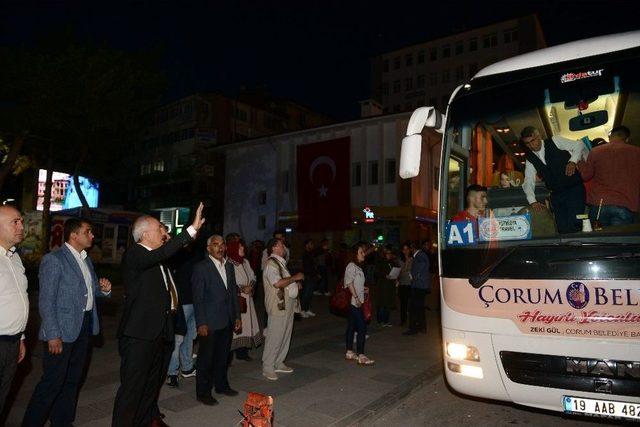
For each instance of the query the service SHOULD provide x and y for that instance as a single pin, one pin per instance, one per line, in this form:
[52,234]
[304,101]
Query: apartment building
[174,165]
[427,73]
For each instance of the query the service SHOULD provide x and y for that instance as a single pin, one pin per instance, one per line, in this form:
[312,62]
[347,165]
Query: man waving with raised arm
[146,330]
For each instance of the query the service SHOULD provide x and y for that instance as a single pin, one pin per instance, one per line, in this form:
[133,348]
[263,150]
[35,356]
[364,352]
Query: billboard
[63,192]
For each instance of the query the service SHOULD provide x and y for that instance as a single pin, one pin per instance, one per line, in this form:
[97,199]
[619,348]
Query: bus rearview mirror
[588,120]
[410,156]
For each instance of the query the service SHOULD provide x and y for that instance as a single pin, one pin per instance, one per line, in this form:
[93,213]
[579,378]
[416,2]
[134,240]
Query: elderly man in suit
[68,288]
[146,329]
[420,287]
[215,303]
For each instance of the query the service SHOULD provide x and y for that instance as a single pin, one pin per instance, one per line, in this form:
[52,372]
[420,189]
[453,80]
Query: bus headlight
[459,351]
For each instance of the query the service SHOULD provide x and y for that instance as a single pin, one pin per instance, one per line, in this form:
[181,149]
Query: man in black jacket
[215,303]
[145,332]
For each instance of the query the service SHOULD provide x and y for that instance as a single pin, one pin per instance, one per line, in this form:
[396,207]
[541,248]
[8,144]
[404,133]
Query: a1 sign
[461,233]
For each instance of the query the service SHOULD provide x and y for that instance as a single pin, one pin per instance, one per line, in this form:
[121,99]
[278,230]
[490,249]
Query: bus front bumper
[475,365]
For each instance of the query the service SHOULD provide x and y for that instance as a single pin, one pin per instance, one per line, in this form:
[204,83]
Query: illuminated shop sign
[369,215]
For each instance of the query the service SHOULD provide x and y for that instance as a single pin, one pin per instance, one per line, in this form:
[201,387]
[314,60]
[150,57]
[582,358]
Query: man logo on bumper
[603,368]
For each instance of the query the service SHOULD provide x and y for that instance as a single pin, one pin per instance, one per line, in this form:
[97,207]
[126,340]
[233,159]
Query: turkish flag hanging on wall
[324,199]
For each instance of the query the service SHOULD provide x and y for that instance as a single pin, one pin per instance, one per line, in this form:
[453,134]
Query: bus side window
[455,186]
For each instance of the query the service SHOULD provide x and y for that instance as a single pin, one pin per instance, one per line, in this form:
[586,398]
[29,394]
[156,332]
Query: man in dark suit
[420,287]
[215,303]
[68,288]
[146,329]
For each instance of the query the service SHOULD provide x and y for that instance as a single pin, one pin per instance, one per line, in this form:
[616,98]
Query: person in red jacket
[613,173]
[476,204]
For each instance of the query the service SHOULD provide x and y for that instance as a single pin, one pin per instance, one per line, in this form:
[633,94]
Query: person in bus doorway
[613,172]
[476,204]
[555,160]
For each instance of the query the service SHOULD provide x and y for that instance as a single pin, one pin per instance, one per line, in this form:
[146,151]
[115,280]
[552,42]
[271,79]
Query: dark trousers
[611,215]
[56,394]
[212,361]
[356,323]
[242,353]
[403,296]
[417,318]
[143,366]
[308,286]
[9,350]
[166,361]
[566,205]
[382,315]
[323,282]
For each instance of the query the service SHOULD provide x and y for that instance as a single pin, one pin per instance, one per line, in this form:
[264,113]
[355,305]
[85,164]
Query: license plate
[600,407]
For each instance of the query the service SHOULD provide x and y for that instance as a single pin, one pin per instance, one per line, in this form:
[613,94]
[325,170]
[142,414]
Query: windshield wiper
[480,279]
[624,255]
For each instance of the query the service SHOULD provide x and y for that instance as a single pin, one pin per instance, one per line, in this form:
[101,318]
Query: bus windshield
[516,159]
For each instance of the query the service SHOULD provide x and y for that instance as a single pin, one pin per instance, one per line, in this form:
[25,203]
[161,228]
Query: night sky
[314,52]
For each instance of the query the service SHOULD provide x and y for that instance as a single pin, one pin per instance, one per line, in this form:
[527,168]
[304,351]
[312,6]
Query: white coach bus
[531,315]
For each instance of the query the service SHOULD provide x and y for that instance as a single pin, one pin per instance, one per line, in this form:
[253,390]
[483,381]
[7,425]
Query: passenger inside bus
[613,174]
[476,204]
[509,179]
[555,160]
[543,153]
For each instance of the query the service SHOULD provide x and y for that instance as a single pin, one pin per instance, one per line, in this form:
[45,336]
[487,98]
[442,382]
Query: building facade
[427,73]
[261,192]
[175,165]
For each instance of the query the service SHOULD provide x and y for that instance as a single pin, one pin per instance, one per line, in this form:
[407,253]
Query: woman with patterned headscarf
[251,334]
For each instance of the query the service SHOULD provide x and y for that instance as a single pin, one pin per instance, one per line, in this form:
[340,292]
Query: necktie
[172,289]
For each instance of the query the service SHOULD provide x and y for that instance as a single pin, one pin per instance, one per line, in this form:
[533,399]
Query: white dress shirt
[576,150]
[14,302]
[223,271]
[81,258]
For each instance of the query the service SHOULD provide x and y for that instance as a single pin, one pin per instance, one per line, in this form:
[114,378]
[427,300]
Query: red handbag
[340,300]
[366,306]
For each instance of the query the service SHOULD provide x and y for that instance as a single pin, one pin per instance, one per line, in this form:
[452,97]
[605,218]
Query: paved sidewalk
[323,390]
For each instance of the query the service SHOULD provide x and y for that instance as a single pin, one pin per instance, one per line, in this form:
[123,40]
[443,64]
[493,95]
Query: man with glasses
[554,160]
